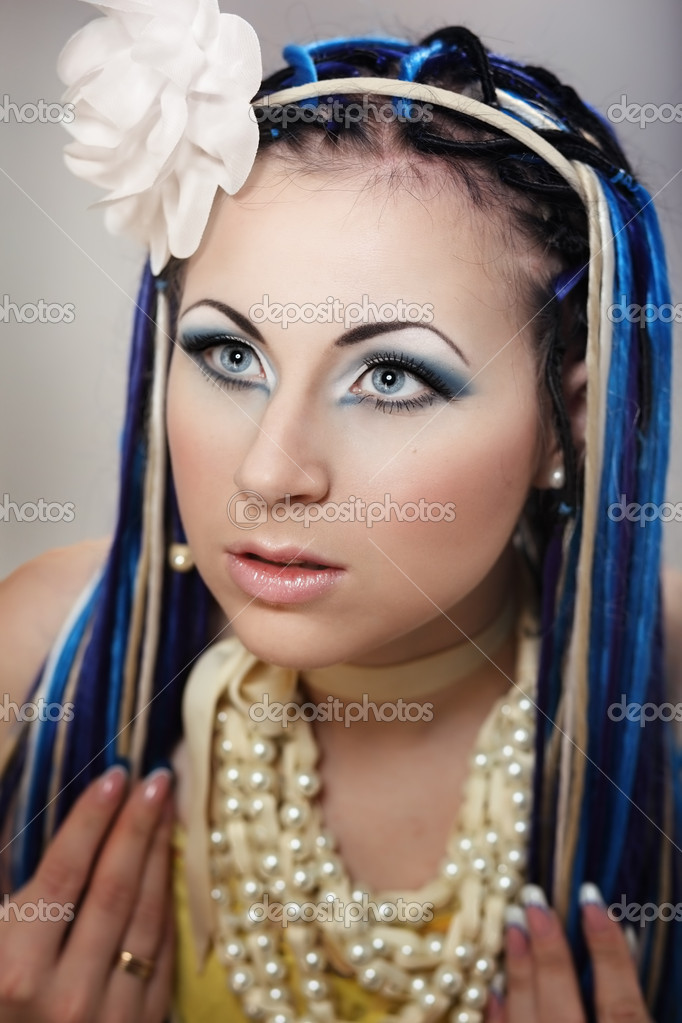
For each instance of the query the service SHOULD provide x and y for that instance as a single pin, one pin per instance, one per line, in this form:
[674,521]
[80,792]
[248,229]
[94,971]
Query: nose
[285,455]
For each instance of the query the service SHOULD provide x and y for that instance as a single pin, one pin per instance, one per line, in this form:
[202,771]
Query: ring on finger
[139,967]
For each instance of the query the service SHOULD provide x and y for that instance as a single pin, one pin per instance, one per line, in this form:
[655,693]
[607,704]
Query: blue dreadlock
[630,798]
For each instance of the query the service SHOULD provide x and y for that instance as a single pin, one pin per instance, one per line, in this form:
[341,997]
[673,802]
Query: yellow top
[206,998]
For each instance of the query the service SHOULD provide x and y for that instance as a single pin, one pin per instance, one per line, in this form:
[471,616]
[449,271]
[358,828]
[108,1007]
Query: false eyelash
[417,366]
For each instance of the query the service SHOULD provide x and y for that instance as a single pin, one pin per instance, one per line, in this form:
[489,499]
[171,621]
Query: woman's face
[409,447]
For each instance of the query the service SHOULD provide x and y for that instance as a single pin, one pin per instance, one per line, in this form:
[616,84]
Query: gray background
[62,386]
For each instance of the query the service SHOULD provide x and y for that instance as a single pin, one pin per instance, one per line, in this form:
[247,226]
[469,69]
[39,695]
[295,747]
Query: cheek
[484,467]
[198,452]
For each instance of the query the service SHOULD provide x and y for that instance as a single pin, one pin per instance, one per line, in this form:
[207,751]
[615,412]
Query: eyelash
[197,344]
[419,370]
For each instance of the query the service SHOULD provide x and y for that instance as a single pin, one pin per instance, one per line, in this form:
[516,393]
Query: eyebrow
[349,337]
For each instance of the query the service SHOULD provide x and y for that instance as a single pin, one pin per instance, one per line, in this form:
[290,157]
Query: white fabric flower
[162,90]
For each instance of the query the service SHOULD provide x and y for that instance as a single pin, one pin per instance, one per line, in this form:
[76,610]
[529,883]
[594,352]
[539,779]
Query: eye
[396,381]
[225,359]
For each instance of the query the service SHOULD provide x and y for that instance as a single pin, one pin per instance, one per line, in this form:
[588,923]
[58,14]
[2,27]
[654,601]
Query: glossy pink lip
[288,575]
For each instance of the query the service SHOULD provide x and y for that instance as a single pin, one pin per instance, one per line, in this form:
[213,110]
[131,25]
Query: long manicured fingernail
[538,917]
[515,917]
[589,895]
[497,987]
[533,895]
[157,784]
[632,940]
[113,782]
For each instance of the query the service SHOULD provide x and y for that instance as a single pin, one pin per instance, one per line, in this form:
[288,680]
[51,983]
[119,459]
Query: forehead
[314,234]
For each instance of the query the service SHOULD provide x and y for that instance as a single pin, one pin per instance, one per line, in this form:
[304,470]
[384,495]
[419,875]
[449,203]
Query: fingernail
[517,942]
[497,986]
[589,895]
[515,917]
[113,782]
[632,940]
[157,784]
[533,895]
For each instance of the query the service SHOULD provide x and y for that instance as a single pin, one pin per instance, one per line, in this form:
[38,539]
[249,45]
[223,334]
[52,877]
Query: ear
[574,386]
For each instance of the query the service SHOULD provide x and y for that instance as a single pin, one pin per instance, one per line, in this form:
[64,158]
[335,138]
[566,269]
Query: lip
[288,575]
[283,554]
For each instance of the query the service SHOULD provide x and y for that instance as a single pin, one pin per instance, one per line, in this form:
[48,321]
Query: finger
[557,993]
[494,1010]
[62,874]
[97,931]
[617,991]
[520,994]
[160,988]
[145,931]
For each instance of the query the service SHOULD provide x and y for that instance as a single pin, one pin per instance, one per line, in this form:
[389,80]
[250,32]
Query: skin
[398,599]
[294,435]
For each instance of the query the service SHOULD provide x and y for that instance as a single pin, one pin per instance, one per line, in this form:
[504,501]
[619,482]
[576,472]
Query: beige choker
[418,677]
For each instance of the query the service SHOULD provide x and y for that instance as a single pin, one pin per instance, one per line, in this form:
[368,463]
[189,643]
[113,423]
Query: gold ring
[139,967]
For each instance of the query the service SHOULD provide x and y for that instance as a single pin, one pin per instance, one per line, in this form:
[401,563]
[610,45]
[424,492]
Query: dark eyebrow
[349,337]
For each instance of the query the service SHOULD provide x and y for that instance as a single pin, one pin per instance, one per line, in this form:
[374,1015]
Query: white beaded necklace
[269,849]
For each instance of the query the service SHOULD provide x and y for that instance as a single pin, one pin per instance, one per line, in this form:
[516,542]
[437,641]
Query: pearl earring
[557,477]
[180,557]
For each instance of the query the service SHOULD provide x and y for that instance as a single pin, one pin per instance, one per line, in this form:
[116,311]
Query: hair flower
[161,92]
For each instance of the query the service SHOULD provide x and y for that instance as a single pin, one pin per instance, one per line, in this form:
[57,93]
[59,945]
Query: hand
[111,860]
[542,985]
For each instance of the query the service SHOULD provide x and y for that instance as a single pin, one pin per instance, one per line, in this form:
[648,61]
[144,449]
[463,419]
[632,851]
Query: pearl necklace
[269,848]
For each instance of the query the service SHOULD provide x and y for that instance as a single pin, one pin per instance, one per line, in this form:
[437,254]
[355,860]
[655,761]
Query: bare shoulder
[35,601]
[671,581]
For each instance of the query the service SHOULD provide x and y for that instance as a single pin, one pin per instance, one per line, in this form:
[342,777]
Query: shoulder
[671,581]
[35,601]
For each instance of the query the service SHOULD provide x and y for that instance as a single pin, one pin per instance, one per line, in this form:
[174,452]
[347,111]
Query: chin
[280,638]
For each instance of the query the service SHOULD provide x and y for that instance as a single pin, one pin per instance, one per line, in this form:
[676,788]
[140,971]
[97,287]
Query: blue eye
[235,358]
[396,381]
[226,360]
[388,380]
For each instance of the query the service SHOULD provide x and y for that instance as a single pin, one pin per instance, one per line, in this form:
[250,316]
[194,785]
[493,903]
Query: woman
[439,336]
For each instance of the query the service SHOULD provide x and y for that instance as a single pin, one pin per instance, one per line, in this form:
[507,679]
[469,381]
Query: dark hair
[622,768]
